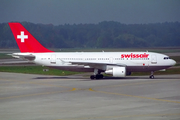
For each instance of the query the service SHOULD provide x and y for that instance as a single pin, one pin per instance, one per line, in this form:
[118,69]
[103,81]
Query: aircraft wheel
[92,77]
[151,76]
[99,76]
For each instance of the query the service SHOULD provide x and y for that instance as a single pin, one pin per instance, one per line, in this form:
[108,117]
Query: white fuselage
[87,61]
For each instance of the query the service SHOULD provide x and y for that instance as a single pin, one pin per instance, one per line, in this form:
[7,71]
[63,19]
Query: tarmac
[44,97]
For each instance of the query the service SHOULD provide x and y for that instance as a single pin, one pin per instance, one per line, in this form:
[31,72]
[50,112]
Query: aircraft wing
[97,65]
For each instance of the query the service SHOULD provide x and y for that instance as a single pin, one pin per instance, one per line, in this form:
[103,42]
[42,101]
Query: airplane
[117,64]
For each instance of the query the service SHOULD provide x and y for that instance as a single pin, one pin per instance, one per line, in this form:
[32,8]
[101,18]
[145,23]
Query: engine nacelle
[117,71]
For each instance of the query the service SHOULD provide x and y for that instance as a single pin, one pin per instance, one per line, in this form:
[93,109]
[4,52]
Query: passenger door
[53,59]
[153,59]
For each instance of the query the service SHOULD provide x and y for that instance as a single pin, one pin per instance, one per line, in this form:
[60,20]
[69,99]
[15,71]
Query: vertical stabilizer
[26,42]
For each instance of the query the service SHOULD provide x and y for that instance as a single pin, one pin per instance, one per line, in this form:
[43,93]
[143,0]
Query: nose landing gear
[152,75]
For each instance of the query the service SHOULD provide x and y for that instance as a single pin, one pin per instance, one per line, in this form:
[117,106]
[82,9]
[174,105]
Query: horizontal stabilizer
[24,57]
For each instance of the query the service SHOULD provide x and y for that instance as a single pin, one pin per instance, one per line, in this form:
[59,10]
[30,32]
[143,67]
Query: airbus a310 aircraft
[118,64]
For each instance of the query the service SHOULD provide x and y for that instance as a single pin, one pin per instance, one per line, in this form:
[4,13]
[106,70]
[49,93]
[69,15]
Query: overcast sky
[89,11]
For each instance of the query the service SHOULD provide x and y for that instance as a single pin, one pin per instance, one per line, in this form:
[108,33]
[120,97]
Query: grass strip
[35,70]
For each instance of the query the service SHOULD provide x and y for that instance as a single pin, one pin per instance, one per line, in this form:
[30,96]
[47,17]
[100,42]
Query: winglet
[26,42]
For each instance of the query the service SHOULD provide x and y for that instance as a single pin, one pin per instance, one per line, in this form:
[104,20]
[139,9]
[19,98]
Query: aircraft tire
[151,76]
[92,77]
[99,76]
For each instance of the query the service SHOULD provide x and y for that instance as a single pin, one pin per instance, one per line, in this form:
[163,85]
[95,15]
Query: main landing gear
[152,75]
[97,75]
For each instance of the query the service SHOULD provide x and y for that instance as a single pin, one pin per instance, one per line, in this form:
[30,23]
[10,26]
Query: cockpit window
[165,58]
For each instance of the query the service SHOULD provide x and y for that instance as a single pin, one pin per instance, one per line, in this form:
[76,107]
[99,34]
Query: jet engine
[117,71]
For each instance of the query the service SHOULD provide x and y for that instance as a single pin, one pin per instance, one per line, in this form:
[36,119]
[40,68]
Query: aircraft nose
[173,62]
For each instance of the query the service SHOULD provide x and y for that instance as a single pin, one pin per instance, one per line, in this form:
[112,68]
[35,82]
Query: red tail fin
[25,41]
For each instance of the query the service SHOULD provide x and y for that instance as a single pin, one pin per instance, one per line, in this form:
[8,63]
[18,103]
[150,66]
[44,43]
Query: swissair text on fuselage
[134,55]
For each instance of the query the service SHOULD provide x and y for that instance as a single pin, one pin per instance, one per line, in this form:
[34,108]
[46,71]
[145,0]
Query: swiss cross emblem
[22,36]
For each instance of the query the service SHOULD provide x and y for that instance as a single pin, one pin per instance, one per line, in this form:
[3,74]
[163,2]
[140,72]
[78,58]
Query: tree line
[106,34]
